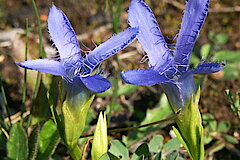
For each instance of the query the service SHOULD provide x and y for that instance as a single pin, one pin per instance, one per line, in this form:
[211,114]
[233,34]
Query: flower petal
[179,93]
[110,47]
[149,35]
[96,83]
[143,77]
[193,19]
[206,68]
[62,33]
[44,65]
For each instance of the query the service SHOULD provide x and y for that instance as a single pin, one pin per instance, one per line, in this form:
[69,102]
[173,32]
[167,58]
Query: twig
[110,130]
[5,132]
[85,148]
[16,117]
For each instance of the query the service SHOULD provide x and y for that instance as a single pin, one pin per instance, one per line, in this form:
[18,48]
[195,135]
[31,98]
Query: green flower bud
[100,140]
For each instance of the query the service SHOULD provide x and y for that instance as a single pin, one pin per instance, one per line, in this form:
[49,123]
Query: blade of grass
[5,104]
[115,10]
[24,92]
[41,52]
[41,55]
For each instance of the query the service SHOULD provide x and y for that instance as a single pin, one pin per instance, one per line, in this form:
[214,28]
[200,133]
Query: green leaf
[217,146]
[48,140]
[3,140]
[119,150]
[156,144]
[125,89]
[227,55]
[194,60]
[209,122]
[231,139]
[171,145]
[221,38]
[33,142]
[157,114]
[172,156]
[108,156]
[140,157]
[211,36]
[41,114]
[223,126]
[17,145]
[141,152]
[205,50]
[232,71]
[158,156]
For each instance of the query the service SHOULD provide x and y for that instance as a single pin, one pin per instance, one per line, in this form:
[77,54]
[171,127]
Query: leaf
[172,156]
[231,139]
[205,50]
[127,89]
[171,145]
[141,152]
[231,71]
[48,140]
[157,114]
[194,60]
[33,142]
[140,157]
[221,38]
[41,114]
[3,140]
[227,55]
[156,144]
[209,122]
[17,145]
[217,146]
[119,150]
[108,156]
[223,126]
[158,156]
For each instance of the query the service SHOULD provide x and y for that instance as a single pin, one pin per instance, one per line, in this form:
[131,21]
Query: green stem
[5,102]
[41,55]
[25,76]
[115,13]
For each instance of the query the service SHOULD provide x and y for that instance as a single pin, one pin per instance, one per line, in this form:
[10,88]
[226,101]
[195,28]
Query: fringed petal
[206,68]
[143,77]
[149,35]
[62,33]
[44,65]
[110,47]
[193,19]
[96,83]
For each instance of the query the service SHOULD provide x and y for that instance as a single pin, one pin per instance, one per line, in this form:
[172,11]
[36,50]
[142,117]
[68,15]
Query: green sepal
[191,132]
[73,119]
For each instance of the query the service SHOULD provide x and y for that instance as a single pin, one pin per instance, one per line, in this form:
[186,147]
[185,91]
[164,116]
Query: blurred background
[94,21]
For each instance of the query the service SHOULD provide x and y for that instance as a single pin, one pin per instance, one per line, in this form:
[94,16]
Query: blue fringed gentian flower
[72,64]
[169,67]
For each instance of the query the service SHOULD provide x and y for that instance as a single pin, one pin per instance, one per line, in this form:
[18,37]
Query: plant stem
[5,102]
[25,76]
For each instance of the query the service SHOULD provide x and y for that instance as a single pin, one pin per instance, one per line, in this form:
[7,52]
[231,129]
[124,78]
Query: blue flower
[169,67]
[73,64]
